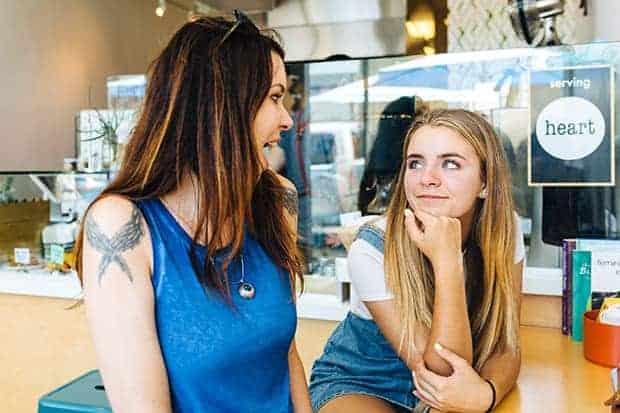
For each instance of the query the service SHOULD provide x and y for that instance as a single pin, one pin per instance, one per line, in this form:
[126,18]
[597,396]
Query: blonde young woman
[438,280]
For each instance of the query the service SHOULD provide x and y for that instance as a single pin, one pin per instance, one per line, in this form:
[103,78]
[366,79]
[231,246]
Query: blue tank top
[220,358]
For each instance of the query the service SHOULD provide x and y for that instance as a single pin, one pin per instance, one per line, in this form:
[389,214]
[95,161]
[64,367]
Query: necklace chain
[187,225]
[246,290]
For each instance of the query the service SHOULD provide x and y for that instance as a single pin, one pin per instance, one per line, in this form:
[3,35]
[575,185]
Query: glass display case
[39,220]
[351,117]
[343,151]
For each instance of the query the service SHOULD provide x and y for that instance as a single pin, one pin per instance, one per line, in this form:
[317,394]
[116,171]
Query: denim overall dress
[358,359]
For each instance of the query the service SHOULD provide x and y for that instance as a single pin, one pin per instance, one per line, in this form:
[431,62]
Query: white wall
[55,56]
[485,25]
[606,14]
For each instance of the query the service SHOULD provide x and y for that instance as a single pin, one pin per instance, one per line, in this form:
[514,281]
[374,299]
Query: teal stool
[84,394]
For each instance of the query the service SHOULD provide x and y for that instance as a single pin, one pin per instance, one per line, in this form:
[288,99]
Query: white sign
[22,255]
[605,271]
[57,254]
[570,128]
[349,218]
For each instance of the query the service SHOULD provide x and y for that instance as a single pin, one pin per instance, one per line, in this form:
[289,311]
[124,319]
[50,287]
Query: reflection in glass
[385,156]
[351,126]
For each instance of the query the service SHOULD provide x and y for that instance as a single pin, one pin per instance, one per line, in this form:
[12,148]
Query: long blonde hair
[490,247]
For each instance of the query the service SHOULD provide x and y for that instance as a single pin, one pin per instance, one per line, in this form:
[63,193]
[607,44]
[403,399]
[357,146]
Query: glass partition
[351,117]
[40,212]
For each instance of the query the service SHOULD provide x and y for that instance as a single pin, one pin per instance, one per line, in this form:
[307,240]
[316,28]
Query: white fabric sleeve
[366,272]
[519,243]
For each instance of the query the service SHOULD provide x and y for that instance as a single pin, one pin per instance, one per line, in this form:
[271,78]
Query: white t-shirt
[368,277]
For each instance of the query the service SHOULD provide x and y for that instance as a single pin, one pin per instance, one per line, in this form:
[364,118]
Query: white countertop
[39,282]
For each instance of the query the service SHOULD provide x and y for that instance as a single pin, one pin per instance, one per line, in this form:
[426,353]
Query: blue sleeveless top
[220,358]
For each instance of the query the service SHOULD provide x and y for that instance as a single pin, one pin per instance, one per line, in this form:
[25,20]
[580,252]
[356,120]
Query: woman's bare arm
[503,368]
[120,307]
[440,239]
[299,385]
[450,325]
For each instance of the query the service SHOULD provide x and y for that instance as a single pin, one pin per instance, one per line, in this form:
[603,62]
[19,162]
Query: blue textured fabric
[372,235]
[220,358]
[358,359]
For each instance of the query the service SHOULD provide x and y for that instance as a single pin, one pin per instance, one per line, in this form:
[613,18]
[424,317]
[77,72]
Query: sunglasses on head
[240,18]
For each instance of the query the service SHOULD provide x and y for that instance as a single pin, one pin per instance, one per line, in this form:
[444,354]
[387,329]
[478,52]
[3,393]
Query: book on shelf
[608,253]
[568,246]
[605,275]
[581,284]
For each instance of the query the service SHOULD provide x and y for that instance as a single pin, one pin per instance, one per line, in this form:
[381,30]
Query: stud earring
[483,194]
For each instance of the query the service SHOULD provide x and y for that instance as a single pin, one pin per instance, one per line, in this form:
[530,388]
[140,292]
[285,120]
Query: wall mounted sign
[57,254]
[21,256]
[571,127]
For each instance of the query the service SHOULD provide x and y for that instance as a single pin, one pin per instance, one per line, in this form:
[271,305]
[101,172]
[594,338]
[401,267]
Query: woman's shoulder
[112,207]
[379,222]
[116,218]
[286,183]
[365,263]
[370,239]
[290,200]
[374,228]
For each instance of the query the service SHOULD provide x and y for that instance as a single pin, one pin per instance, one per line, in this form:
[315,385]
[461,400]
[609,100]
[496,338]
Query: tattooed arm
[290,201]
[298,383]
[120,307]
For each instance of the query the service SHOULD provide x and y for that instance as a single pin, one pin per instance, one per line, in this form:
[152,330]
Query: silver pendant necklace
[246,289]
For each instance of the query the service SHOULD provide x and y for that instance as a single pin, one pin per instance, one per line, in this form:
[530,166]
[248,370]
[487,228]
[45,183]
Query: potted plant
[104,132]
[6,190]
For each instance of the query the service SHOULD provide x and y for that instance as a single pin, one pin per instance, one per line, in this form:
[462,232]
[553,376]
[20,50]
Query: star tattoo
[125,239]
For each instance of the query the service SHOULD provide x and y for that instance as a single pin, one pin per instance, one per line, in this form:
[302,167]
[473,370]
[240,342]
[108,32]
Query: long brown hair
[490,246]
[200,103]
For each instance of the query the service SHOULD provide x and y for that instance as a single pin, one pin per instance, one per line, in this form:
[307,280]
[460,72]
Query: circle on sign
[570,128]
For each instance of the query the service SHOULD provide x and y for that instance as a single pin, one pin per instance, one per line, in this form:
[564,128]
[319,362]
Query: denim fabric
[372,235]
[357,359]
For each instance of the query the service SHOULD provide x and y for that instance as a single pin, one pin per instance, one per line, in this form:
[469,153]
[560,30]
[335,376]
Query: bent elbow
[436,364]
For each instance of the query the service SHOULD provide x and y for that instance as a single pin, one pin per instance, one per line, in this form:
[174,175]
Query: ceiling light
[161,8]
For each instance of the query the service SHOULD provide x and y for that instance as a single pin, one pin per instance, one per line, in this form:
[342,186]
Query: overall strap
[373,235]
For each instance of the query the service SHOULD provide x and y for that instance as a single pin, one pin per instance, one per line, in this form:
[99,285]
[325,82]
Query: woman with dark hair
[188,257]
[386,156]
